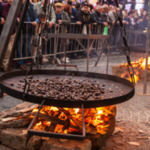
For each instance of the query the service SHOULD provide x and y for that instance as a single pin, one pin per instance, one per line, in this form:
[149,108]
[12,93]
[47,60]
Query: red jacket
[5,11]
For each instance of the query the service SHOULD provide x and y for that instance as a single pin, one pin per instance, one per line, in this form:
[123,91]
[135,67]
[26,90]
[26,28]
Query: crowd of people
[104,14]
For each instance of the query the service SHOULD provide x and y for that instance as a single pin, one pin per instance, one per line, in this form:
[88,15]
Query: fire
[76,110]
[136,78]
[143,64]
[95,118]
[137,66]
[38,124]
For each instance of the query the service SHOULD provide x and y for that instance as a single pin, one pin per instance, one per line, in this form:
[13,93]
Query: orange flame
[136,78]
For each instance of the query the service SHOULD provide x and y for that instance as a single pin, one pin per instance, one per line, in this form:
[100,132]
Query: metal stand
[100,54]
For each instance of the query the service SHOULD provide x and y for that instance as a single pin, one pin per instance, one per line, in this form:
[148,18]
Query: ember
[69,120]
[138,66]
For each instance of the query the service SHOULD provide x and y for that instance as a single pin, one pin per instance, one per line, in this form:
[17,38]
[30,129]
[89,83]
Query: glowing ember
[95,118]
[76,110]
[137,66]
[136,78]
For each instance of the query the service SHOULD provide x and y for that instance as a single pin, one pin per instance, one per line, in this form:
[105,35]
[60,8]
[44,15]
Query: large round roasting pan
[123,89]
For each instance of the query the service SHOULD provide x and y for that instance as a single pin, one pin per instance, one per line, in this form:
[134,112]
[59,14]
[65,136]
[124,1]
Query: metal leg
[88,53]
[107,57]
[65,42]
[1,94]
[99,55]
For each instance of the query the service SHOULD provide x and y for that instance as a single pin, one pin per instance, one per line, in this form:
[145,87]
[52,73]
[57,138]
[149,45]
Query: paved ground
[133,116]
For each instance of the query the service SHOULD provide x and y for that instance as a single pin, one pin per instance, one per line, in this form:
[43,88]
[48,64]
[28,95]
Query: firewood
[21,112]
[28,109]
[9,119]
[76,121]
[54,120]
[52,127]
[22,122]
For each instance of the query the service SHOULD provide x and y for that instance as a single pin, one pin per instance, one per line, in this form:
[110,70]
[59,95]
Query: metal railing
[30,39]
[54,46]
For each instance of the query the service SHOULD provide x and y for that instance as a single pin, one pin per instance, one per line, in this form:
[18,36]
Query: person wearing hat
[62,20]
[83,16]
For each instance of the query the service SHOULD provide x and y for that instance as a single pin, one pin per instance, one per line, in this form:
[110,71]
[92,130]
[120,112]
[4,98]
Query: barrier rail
[52,46]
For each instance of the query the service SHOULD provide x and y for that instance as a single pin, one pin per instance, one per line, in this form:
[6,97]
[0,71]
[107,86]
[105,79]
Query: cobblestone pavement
[133,116]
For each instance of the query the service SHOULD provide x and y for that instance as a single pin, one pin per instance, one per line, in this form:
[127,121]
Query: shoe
[75,56]
[103,54]
[22,67]
[63,60]
[67,58]
[25,66]
[116,53]
[28,63]
[45,60]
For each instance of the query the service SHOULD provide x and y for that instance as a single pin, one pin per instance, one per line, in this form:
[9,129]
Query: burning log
[76,121]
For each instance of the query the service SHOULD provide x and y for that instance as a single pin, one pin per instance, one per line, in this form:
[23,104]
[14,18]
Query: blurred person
[130,18]
[2,21]
[124,18]
[144,15]
[5,11]
[144,25]
[96,16]
[62,20]
[27,32]
[104,13]
[83,16]
[136,12]
[73,10]
[77,6]
[5,1]
[50,13]
[67,9]
[141,12]
[113,14]
[91,8]
[50,19]
[114,35]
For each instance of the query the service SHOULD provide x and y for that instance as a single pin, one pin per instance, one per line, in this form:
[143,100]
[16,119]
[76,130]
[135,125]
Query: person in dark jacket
[77,6]
[5,12]
[5,1]
[105,16]
[2,21]
[96,16]
[27,31]
[73,11]
[83,16]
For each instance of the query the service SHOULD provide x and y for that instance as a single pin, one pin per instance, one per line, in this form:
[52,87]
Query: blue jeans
[26,47]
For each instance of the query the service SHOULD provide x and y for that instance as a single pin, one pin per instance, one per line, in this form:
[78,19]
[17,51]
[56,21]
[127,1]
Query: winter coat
[0,17]
[97,18]
[85,18]
[106,18]
[65,21]
[5,11]
[31,16]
